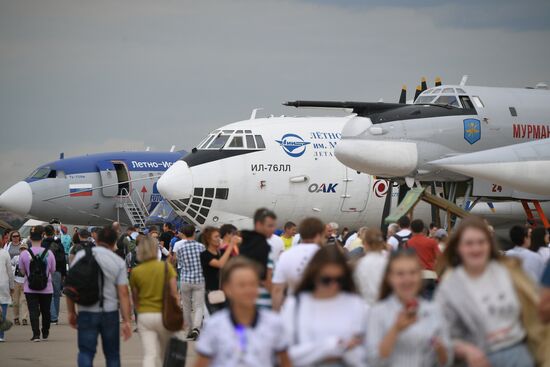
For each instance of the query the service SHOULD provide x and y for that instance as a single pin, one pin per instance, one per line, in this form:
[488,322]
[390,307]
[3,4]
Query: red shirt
[426,248]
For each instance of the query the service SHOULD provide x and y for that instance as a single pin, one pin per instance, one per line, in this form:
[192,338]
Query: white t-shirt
[350,239]
[277,247]
[316,327]
[114,274]
[544,252]
[496,300]
[368,275]
[393,242]
[227,345]
[292,264]
[531,262]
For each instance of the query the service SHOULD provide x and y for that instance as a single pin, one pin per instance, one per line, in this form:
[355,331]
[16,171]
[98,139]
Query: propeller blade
[423,84]
[417,92]
[437,81]
[403,96]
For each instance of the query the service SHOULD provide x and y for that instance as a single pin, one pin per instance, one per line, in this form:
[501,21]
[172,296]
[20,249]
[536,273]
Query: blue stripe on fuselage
[135,161]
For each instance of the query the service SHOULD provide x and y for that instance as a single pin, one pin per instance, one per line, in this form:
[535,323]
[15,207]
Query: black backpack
[38,271]
[84,281]
[402,241]
[58,251]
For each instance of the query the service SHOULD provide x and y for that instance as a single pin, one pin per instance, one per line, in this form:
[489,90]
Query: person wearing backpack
[84,240]
[37,265]
[399,240]
[56,247]
[98,283]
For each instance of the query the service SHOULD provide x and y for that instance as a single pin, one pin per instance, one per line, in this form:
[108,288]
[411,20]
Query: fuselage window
[259,142]
[513,111]
[466,102]
[219,142]
[250,142]
[236,142]
[60,174]
[477,102]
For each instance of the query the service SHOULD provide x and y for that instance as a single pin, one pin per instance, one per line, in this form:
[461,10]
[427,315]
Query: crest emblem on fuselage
[472,130]
[293,145]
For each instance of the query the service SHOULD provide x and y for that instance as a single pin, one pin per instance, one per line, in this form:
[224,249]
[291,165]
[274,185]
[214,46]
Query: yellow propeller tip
[423,78]
[418,87]
[437,79]
[403,86]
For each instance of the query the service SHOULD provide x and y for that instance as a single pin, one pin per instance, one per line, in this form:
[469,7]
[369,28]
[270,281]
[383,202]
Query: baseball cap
[440,233]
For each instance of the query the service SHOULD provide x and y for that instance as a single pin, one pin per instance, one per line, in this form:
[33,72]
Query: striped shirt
[414,345]
[189,262]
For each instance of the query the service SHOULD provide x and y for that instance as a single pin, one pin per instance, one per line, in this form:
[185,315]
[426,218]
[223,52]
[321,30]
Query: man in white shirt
[397,240]
[532,262]
[292,263]
[277,247]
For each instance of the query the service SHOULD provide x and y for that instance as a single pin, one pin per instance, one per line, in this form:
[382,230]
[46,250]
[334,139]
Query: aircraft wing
[360,108]
[522,167]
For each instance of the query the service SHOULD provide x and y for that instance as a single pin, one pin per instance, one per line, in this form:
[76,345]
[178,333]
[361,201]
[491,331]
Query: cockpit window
[447,101]
[232,139]
[236,142]
[448,90]
[424,99]
[43,172]
[219,142]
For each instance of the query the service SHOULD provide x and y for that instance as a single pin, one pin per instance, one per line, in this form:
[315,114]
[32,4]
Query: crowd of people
[307,295]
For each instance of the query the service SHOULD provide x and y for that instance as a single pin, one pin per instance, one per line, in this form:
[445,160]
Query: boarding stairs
[535,213]
[135,208]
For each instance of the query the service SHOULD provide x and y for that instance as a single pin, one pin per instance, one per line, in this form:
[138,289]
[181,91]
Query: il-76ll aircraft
[285,163]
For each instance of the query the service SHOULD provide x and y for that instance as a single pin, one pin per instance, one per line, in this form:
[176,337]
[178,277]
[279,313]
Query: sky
[93,76]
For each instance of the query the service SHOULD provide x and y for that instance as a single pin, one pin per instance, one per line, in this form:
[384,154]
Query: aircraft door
[356,191]
[108,178]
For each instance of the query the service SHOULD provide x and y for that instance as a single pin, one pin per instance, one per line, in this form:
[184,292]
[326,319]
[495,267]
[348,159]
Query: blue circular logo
[293,145]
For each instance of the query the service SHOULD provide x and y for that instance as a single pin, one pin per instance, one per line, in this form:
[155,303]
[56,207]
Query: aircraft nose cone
[177,182]
[378,157]
[17,199]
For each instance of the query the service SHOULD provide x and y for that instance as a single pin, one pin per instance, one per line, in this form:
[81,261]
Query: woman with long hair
[488,301]
[147,283]
[539,243]
[404,329]
[370,268]
[212,261]
[242,334]
[325,319]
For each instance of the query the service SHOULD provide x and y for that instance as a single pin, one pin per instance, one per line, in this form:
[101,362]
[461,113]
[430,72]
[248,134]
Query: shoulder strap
[296,317]
[33,256]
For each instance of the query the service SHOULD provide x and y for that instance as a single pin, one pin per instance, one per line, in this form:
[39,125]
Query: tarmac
[60,350]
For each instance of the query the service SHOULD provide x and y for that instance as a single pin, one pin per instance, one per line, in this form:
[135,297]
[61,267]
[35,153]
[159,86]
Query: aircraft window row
[229,139]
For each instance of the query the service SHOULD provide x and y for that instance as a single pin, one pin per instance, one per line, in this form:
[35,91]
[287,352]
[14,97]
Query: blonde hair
[147,249]
[372,237]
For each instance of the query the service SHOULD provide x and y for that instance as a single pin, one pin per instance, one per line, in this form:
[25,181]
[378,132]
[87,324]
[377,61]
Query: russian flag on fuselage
[80,189]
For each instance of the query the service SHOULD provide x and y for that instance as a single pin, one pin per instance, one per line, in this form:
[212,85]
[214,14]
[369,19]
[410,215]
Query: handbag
[176,353]
[216,297]
[172,314]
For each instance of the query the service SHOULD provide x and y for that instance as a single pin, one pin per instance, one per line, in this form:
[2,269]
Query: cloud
[74,75]
[504,14]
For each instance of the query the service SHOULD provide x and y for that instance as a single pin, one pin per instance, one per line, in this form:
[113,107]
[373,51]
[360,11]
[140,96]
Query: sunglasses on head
[327,280]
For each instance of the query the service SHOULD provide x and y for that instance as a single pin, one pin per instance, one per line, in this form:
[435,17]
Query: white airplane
[284,163]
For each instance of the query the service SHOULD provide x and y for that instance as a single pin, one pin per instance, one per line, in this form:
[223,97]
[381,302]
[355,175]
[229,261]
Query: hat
[440,233]
[84,233]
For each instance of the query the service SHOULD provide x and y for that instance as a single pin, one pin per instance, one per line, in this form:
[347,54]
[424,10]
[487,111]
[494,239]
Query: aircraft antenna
[253,114]
[147,149]
[464,80]
[173,148]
